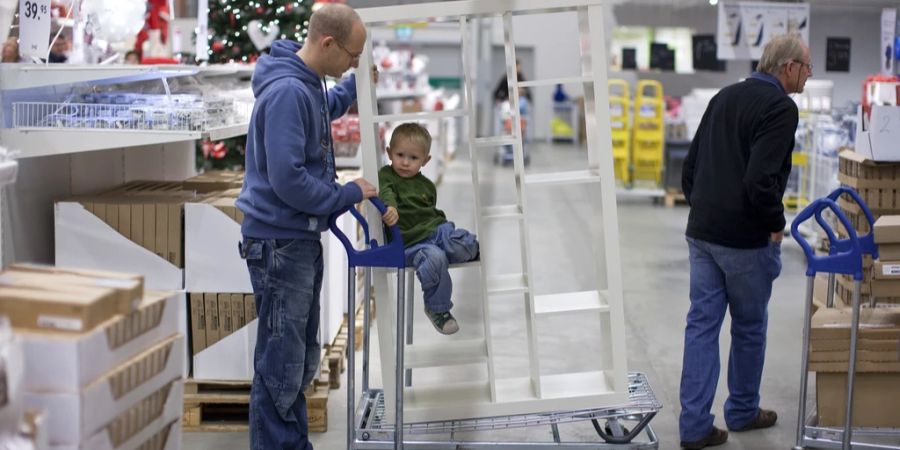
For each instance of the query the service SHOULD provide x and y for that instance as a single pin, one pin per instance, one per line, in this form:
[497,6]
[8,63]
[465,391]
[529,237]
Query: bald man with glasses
[288,193]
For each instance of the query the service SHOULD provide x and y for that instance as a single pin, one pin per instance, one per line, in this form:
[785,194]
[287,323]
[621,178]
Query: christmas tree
[239,31]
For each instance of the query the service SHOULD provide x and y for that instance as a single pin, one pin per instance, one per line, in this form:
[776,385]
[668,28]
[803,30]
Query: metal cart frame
[845,257]
[367,427]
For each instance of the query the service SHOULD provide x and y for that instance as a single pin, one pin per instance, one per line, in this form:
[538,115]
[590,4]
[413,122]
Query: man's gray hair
[335,20]
[779,51]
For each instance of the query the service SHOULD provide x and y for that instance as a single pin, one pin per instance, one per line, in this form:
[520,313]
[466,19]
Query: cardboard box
[237,311]
[885,288]
[211,309]
[68,362]
[249,308]
[77,310]
[887,229]
[198,323]
[226,326]
[886,270]
[874,323]
[214,180]
[98,274]
[78,415]
[888,252]
[129,293]
[869,393]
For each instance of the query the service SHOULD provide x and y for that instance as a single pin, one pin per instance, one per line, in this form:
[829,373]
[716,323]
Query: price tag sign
[34,28]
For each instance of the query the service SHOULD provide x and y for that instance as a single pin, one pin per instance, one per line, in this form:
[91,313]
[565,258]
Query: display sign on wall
[888,28]
[837,54]
[744,28]
[704,46]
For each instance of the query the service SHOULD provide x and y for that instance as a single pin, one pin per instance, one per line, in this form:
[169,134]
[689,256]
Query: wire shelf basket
[130,112]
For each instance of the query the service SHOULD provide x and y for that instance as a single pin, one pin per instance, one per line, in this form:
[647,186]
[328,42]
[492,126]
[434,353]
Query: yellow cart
[648,129]
[620,129]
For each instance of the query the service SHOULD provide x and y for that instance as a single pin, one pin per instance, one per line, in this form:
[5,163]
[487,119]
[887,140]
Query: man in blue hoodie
[289,191]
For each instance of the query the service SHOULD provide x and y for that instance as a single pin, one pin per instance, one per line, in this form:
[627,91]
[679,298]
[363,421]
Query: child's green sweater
[415,199]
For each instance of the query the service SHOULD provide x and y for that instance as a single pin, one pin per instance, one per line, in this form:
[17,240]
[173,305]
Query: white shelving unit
[538,390]
[59,162]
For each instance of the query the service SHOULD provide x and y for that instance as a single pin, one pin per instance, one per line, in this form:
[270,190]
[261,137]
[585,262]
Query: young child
[432,243]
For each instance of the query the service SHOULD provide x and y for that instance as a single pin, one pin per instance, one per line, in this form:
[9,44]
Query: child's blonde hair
[413,133]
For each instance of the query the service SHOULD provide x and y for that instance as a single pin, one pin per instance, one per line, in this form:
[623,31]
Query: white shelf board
[494,141]
[555,81]
[501,212]
[466,395]
[507,284]
[514,396]
[22,76]
[419,116]
[402,95]
[33,143]
[570,177]
[228,131]
[576,384]
[571,302]
[446,353]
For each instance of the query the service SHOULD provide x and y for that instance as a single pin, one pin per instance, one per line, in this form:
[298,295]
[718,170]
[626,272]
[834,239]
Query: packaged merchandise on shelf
[136,227]
[214,180]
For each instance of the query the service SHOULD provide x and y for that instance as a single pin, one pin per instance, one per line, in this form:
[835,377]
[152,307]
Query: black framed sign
[837,54]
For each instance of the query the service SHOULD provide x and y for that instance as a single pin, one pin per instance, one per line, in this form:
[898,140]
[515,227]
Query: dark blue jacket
[289,188]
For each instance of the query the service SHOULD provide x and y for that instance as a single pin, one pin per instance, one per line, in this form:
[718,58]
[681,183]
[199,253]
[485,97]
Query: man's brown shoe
[764,419]
[715,437]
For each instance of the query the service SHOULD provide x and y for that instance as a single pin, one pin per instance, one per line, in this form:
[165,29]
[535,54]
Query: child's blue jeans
[432,257]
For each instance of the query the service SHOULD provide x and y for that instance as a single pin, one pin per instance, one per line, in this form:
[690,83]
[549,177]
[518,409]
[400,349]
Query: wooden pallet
[673,197]
[224,406]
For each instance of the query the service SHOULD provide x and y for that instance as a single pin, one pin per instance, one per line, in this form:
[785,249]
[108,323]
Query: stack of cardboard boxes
[878,185]
[878,360]
[877,366]
[103,359]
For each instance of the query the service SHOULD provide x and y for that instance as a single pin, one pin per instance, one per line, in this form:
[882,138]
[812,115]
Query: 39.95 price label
[34,28]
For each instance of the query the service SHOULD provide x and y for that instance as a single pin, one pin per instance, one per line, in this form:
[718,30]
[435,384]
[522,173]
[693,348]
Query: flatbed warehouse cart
[617,426]
[845,257]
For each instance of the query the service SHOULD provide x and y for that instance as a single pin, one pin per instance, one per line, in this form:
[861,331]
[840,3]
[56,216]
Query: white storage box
[85,241]
[156,419]
[212,261]
[81,414]
[877,136]
[231,358]
[67,362]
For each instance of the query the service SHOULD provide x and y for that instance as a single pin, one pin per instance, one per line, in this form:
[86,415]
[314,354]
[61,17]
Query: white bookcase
[537,390]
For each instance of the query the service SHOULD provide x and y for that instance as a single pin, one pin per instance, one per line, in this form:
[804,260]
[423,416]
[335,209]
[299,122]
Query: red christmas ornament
[232,19]
[289,7]
[217,46]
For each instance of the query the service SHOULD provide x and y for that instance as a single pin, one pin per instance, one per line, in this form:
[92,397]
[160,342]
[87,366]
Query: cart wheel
[365,436]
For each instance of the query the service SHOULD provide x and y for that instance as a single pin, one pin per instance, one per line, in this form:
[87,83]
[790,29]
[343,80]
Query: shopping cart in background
[845,257]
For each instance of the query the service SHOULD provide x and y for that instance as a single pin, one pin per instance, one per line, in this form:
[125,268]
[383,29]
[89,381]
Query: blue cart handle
[388,255]
[866,242]
[847,260]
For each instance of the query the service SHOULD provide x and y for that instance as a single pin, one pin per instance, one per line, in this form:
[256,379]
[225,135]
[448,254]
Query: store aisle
[654,261]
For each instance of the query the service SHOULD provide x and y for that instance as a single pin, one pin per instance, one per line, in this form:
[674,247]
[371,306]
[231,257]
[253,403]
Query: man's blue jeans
[287,277]
[432,257]
[741,280]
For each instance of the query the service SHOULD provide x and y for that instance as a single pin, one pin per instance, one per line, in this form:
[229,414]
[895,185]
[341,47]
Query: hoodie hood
[282,62]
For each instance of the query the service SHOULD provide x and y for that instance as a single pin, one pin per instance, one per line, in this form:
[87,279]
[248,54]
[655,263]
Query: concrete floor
[655,271]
